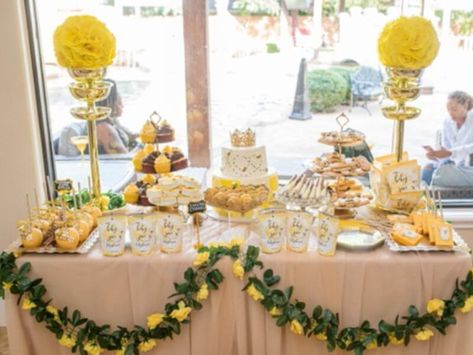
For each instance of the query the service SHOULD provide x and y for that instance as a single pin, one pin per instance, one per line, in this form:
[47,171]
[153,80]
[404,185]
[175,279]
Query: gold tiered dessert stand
[89,87]
[340,177]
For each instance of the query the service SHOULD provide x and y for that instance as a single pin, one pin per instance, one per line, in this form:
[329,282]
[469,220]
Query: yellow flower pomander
[436,306]
[275,312]
[93,348]
[468,305]
[147,345]
[203,292]
[408,42]
[238,270]
[84,42]
[201,258]
[424,334]
[296,327]
[254,293]
[154,320]
[182,312]
[67,340]
[28,304]
[7,285]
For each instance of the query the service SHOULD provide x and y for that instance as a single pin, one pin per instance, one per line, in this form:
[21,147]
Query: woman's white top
[459,140]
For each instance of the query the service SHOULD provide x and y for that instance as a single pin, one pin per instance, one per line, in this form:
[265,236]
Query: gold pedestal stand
[403,85]
[89,87]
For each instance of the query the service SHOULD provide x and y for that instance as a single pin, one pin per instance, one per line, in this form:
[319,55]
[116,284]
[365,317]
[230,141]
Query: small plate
[355,239]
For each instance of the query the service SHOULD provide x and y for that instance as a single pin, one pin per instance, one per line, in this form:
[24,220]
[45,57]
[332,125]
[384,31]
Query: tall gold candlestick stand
[403,85]
[89,87]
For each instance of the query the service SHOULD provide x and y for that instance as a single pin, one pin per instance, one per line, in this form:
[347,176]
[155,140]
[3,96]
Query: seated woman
[112,137]
[452,165]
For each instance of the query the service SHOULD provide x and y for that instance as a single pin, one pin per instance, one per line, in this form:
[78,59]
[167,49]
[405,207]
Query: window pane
[148,72]
[256,49]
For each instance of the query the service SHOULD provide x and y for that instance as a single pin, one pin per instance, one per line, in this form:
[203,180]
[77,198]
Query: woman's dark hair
[462,98]
[112,98]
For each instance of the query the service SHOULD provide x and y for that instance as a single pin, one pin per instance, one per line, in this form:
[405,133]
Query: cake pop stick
[36,200]
[89,184]
[80,195]
[73,191]
[28,209]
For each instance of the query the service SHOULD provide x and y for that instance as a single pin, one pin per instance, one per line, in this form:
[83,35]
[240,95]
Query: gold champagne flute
[81,143]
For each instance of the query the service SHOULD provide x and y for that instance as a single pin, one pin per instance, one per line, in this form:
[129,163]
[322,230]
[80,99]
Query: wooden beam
[195,16]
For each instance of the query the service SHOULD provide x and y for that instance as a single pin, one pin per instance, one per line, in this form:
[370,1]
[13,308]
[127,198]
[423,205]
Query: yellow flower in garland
[296,327]
[394,340]
[321,336]
[238,270]
[93,348]
[147,345]
[67,340]
[436,306]
[84,42]
[424,335]
[372,345]
[203,292]
[238,241]
[468,305]
[201,258]
[154,320]
[120,352]
[6,285]
[275,312]
[182,312]
[104,202]
[28,304]
[254,293]
[53,310]
[408,42]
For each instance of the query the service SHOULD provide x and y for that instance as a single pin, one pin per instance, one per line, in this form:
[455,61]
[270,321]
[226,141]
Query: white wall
[20,152]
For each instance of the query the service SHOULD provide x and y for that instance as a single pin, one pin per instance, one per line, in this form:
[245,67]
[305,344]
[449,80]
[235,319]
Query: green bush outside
[345,72]
[327,89]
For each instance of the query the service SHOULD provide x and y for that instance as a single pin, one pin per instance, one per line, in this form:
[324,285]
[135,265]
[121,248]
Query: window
[148,73]
[255,49]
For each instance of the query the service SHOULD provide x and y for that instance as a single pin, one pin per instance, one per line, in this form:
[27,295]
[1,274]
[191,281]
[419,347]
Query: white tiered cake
[244,163]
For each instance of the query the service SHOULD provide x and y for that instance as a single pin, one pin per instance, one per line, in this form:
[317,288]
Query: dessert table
[123,290]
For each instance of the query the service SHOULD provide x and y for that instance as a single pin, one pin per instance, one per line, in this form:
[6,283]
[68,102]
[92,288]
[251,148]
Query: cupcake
[131,193]
[148,132]
[138,160]
[165,132]
[144,198]
[162,164]
[149,179]
[148,149]
[178,160]
[148,163]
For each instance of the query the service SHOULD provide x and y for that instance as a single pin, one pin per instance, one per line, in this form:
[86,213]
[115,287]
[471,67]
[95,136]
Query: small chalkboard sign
[63,185]
[196,207]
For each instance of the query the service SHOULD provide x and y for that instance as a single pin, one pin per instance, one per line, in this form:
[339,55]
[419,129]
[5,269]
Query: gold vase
[403,85]
[89,87]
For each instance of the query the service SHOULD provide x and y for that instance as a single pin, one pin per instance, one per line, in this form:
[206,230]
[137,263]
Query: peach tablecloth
[359,285]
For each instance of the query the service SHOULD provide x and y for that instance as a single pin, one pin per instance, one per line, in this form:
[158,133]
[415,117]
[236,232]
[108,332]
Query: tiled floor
[3,341]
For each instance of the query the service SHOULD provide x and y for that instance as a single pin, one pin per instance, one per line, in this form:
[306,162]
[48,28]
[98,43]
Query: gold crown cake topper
[243,138]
